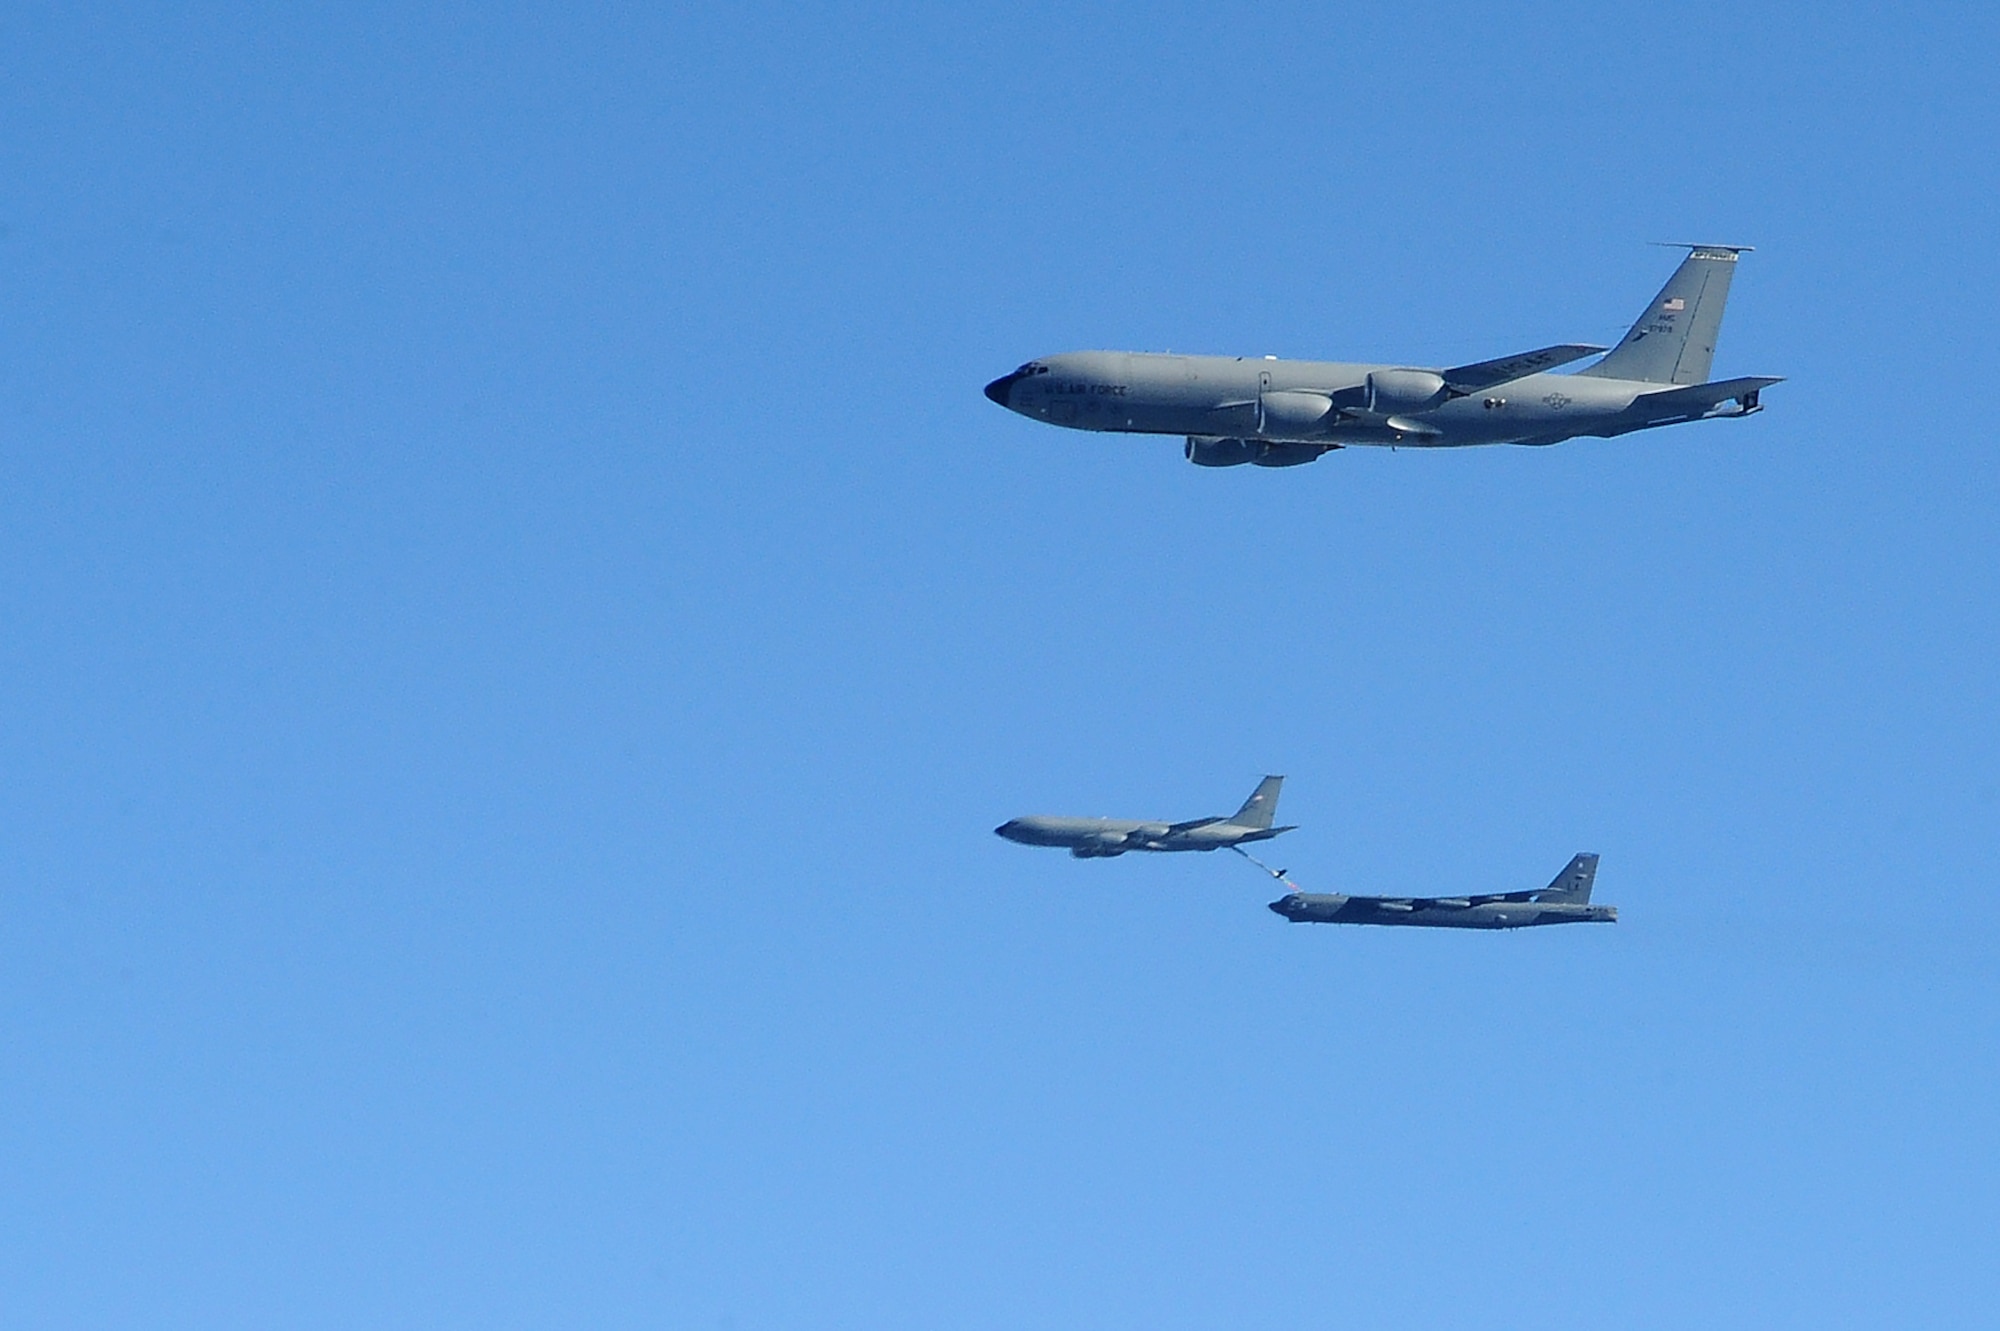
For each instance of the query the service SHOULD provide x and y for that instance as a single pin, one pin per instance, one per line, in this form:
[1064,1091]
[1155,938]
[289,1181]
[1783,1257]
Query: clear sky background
[519,624]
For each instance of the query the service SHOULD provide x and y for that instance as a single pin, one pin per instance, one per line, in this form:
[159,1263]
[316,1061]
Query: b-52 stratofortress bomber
[1564,901]
[1280,413]
[1101,838]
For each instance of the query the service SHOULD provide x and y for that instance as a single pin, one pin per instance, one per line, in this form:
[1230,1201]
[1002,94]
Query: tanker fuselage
[1238,400]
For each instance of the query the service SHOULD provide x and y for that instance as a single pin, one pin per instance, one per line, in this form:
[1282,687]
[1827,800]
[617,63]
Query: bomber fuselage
[1436,912]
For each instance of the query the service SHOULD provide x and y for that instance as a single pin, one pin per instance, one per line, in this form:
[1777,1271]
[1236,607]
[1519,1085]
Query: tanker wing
[1491,373]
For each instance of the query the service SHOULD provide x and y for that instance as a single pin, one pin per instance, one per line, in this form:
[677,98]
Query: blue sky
[519,624]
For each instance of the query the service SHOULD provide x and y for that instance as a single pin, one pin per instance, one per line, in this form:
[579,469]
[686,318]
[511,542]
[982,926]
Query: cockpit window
[1032,367]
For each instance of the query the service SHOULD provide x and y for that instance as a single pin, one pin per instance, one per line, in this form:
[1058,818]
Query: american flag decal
[1674,306]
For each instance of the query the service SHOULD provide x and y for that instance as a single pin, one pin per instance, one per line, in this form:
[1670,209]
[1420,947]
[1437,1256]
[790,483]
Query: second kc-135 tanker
[1101,838]
[1280,413]
[1566,900]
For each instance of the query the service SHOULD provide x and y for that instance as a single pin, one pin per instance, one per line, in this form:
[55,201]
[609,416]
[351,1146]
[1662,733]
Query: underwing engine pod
[1207,451]
[1394,392]
[1288,414]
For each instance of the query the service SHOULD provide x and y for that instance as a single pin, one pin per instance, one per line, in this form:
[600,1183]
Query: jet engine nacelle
[1287,455]
[1394,391]
[1236,452]
[1221,452]
[1289,413]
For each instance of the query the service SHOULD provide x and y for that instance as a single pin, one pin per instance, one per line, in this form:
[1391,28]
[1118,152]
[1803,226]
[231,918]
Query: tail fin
[1674,340]
[1572,885]
[1262,806]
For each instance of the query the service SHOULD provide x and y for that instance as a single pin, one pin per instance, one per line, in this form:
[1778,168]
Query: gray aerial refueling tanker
[1237,410]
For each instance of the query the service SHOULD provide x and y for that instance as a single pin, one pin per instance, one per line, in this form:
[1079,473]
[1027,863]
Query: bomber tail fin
[1674,340]
[1572,885]
[1261,809]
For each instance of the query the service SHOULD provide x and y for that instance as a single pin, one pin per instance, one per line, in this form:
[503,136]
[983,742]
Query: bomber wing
[1489,373]
[1412,904]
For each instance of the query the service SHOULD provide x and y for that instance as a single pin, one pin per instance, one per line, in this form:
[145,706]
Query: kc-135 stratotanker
[1102,838]
[1280,413]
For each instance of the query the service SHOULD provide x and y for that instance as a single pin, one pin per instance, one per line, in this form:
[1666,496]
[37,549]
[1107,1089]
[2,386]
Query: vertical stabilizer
[1674,340]
[1262,806]
[1572,885]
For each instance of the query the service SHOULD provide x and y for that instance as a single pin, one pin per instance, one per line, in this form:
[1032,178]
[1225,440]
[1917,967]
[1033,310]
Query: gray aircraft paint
[1101,838]
[1566,900]
[1674,340]
[1279,413]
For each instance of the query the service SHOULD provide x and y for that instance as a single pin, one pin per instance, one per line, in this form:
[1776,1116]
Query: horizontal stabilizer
[1488,373]
[1698,399]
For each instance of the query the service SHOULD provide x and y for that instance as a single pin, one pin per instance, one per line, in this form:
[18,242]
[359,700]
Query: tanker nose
[1006,829]
[999,389]
[1278,907]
